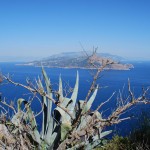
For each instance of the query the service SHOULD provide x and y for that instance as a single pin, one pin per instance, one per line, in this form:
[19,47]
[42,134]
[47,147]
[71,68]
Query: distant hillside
[81,60]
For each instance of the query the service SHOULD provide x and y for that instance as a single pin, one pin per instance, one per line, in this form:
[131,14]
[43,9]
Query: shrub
[117,143]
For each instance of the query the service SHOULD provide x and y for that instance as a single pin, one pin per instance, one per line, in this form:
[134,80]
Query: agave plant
[64,127]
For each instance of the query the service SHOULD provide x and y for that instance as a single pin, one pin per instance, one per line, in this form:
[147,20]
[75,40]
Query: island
[80,60]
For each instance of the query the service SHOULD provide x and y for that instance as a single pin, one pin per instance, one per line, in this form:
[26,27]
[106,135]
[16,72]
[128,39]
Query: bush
[117,143]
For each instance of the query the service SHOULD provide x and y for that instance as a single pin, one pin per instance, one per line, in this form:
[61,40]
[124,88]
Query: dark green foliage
[141,135]
[139,138]
[117,143]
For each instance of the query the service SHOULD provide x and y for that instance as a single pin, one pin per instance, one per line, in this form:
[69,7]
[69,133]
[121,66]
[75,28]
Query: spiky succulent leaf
[95,144]
[105,133]
[90,101]
[49,103]
[64,116]
[102,135]
[47,82]
[44,121]
[71,106]
[99,116]
[36,134]
[48,85]
[81,102]
[84,120]
[60,90]
[17,117]
[68,103]
[19,102]
[49,137]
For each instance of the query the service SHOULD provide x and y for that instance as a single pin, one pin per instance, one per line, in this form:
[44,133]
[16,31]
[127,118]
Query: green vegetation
[117,143]
[139,138]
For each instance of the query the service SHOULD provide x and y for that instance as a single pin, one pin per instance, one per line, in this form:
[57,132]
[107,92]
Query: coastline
[72,67]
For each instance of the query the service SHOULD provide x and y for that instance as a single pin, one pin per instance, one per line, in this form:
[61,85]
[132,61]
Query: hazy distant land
[78,60]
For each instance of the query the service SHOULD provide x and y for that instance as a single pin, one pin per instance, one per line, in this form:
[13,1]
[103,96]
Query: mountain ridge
[81,60]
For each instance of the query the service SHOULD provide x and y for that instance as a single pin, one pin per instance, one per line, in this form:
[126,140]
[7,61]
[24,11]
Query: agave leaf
[17,117]
[92,98]
[60,90]
[47,82]
[75,91]
[35,135]
[65,117]
[48,137]
[49,125]
[102,135]
[62,118]
[105,133]
[19,102]
[47,113]
[44,121]
[98,115]
[95,144]
[90,101]
[39,84]
[81,102]
[66,101]
[84,120]
[49,92]
[50,140]
[71,106]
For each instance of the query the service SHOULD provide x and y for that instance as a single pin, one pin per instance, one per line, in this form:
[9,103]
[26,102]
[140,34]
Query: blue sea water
[109,81]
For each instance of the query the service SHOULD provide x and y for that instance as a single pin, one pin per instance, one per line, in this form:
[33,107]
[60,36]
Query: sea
[109,81]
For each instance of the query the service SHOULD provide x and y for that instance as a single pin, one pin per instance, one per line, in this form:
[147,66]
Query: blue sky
[41,28]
